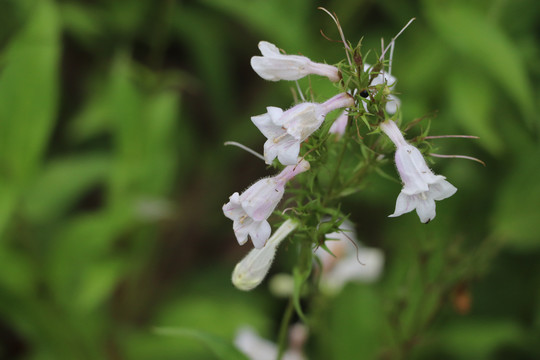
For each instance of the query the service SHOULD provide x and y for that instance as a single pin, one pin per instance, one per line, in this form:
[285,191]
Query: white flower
[257,348]
[275,66]
[250,210]
[286,130]
[340,124]
[421,187]
[349,262]
[252,269]
[393,102]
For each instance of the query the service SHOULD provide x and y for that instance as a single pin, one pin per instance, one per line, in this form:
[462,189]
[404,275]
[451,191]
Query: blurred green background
[113,172]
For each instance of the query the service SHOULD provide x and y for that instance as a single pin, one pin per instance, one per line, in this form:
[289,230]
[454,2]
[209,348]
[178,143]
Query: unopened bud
[252,269]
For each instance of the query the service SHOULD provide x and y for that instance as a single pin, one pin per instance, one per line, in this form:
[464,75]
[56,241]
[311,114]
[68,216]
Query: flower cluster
[323,150]
[365,96]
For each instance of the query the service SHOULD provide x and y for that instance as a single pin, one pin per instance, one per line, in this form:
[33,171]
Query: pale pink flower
[349,260]
[250,210]
[285,130]
[275,66]
[421,187]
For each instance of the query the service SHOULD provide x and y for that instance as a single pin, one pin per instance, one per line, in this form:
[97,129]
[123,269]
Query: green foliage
[113,174]
[221,348]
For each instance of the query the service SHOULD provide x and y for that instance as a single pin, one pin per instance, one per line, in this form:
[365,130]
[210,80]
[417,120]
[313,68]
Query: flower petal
[268,49]
[233,209]
[288,154]
[266,126]
[425,208]
[286,149]
[392,104]
[275,114]
[260,232]
[441,190]
[241,229]
[404,204]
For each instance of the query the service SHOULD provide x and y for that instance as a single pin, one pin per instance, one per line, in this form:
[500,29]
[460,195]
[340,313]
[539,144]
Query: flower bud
[252,269]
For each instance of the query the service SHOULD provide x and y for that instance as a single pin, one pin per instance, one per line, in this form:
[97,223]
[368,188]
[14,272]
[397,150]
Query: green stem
[336,170]
[283,329]
[358,175]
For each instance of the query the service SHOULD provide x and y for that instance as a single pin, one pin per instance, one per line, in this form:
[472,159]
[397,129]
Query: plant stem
[283,329]
[336,170]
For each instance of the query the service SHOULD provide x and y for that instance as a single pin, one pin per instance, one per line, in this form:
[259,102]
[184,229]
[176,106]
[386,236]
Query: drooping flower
[257,348]
[252,269]
[275,66]
[285,130]
[421,187]
[349,260]
[382,78]
[250,210]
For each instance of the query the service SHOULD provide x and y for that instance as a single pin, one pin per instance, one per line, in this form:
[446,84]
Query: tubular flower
[393,102]
[275,66]
[250,210]
[285,130]
[421,187]
[252,269]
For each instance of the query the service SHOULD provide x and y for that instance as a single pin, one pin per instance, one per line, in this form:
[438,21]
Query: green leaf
[98,284]
[76,259]
[62,183]
[222,348]
[264,15]
[355,325]
[28,102]
[29,93]
[82,21]
[471,97]
[516,209]
[483,43]
[478,339]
